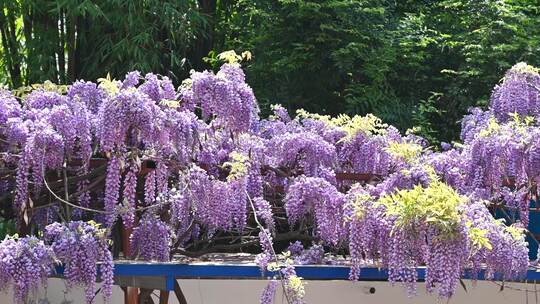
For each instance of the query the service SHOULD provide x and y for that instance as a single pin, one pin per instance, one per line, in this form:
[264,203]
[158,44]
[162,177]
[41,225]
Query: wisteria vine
[195,170]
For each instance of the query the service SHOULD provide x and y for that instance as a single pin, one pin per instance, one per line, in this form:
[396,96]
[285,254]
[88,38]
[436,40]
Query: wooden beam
[163,297]
[145,296]
[179,294]
[131,295]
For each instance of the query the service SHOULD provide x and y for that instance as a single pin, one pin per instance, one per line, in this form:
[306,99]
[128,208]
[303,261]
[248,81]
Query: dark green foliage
[327,56]
[7,227]
[386,57]
[461,49]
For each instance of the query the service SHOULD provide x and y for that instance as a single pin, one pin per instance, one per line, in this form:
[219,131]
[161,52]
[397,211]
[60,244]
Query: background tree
[419,63]
[452,53]
[67,40]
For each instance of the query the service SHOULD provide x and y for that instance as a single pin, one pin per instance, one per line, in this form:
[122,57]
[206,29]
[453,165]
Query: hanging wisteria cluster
[80,246]
[25,264]
[194,170]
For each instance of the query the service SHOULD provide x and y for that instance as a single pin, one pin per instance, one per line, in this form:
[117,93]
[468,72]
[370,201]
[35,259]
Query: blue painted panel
[533,227]
[251,271]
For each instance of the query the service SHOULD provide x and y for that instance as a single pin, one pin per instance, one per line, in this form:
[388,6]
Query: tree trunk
[204,44]
[10,45]
[61,48]
[27,30]
[71,22]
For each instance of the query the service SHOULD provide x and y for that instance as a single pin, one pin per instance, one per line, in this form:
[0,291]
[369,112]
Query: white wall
[334,292]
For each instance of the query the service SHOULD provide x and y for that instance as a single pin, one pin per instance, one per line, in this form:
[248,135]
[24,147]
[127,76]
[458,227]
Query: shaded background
[414,63]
